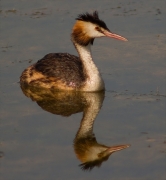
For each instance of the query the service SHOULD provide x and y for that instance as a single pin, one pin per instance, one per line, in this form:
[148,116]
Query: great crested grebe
[63,71]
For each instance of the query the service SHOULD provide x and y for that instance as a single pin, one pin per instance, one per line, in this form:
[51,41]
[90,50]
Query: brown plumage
[56,67]
[62,71]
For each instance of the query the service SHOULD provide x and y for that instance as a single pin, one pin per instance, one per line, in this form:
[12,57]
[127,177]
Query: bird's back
[58,67]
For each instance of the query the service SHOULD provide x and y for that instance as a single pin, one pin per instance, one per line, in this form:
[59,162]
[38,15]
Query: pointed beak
[117,148]
[115,36]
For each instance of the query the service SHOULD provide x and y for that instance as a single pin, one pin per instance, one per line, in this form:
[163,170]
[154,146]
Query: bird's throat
[94,81]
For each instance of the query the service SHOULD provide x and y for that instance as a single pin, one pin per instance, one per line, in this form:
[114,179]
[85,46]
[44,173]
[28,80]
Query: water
[36,140]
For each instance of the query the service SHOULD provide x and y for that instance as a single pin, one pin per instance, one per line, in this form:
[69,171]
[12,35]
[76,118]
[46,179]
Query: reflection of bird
[86,147]
[92,154]
[63,71]
[66,103]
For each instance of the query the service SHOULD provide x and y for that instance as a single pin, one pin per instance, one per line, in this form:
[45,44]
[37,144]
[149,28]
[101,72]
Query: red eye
[97,28]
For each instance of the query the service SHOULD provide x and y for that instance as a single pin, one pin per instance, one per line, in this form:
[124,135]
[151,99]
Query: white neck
[94,102]
[94,81]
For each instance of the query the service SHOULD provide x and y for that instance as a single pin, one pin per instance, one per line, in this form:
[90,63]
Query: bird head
[92,154]
[89,26]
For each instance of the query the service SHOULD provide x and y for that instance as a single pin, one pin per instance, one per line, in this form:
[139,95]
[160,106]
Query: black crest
[93,18]
[88,166]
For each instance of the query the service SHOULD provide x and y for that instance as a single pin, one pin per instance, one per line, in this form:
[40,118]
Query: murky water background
[37,144]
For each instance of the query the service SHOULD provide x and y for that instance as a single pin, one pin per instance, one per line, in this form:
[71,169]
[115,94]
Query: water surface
[37,142]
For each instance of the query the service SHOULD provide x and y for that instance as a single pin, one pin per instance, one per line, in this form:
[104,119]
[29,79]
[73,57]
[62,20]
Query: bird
[65,72]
